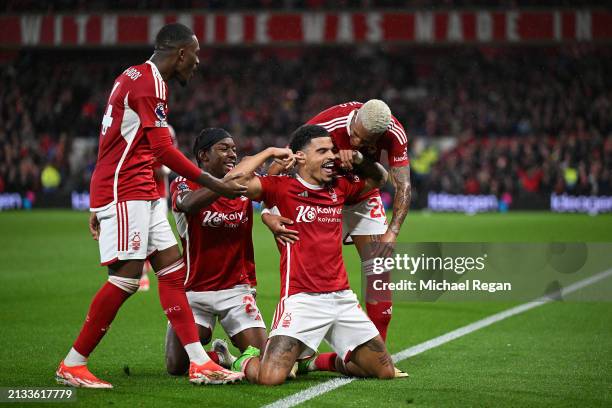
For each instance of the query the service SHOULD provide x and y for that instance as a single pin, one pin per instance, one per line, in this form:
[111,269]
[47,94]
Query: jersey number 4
[107,119]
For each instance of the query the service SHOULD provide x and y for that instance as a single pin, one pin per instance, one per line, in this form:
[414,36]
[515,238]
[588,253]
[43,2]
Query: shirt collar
[307,184]
[348,121]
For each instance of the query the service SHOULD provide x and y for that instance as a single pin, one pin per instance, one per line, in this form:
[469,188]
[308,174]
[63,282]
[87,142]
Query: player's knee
[270,377]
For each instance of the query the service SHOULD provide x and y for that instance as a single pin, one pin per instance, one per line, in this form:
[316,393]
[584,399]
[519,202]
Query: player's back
[124,168]
[336,121]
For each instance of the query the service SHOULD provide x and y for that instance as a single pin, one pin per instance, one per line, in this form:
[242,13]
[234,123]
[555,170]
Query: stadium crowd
[529,120]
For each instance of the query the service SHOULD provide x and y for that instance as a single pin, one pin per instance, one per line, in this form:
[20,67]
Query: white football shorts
[133,230]
[366,217]
[235,308]
[335,317]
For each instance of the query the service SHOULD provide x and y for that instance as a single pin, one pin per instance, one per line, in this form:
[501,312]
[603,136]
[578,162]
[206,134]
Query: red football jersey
[161,180]
[217,241]
[124,170]
[314,263]
[337,119]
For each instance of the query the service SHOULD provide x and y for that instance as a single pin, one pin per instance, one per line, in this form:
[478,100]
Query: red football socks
[101,313]
[380,314]
[174,302]
[326,362]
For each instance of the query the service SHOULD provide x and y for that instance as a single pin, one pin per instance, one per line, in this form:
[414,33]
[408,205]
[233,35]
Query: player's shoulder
[396,132]
[144,80]
[335,116]
[181,184]
[276,178]
[343,180]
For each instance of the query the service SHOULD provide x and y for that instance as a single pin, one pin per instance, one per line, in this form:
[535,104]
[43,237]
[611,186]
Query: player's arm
[168,155]
[400,178]
[373,173]
[191,202]
[245,170]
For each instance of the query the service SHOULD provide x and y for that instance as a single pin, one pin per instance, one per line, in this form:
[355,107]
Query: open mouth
[328,168]
[229,165]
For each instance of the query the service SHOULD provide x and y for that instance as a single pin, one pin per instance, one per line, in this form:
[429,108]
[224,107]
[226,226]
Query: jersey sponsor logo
[309,213]
[397,159]
[160,112]
[217,219]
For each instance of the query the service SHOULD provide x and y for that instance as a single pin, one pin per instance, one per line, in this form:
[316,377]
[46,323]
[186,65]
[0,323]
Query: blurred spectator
[528,120]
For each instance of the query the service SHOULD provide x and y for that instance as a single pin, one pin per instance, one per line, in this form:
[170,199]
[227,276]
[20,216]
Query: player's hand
[346,159]
[278,225]
[94,226]
[230,187]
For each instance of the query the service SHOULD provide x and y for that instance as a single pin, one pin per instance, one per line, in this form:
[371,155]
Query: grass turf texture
[556,355]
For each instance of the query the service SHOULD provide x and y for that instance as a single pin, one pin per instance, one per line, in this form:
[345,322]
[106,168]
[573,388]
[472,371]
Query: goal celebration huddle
[319,192]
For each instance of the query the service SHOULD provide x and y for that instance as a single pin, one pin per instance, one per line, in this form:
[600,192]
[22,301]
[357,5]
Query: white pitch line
[331,385]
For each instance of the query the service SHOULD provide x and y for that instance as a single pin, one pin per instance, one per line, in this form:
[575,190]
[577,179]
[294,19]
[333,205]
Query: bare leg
[255,336]
[177,360]
[127,269]
[278,358]
[164,258]
[371,359]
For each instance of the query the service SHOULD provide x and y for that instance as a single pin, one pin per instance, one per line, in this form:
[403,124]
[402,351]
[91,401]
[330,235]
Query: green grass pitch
[556,355]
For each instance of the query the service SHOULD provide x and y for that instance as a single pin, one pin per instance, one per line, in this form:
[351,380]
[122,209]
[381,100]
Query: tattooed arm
[400,178]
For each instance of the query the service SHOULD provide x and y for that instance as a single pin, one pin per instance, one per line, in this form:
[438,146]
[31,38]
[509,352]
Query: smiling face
[220,158]
[187,61]
[316,161]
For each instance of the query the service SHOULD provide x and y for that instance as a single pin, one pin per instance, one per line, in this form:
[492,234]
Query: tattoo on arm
[400,177]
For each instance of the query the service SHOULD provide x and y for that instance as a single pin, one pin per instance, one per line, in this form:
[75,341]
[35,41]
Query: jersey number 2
[376,207]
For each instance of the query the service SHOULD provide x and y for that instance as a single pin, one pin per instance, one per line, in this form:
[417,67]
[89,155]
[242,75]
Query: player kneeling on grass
[218,249]
[316,300]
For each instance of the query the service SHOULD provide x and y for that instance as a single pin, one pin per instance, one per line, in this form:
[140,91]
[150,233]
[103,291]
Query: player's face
[221,158]
[188,61]
[319,160]
[359,136]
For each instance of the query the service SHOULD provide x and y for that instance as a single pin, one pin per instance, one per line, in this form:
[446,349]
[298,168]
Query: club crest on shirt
[333,195]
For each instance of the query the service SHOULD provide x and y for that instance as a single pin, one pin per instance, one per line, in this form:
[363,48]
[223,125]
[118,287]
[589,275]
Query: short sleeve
[397,145]
[352,186]
[179,186]
[151,110]
[270,189]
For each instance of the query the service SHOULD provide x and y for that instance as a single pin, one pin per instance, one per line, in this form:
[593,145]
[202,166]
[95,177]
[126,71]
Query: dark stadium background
[508,113]
[493,125]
